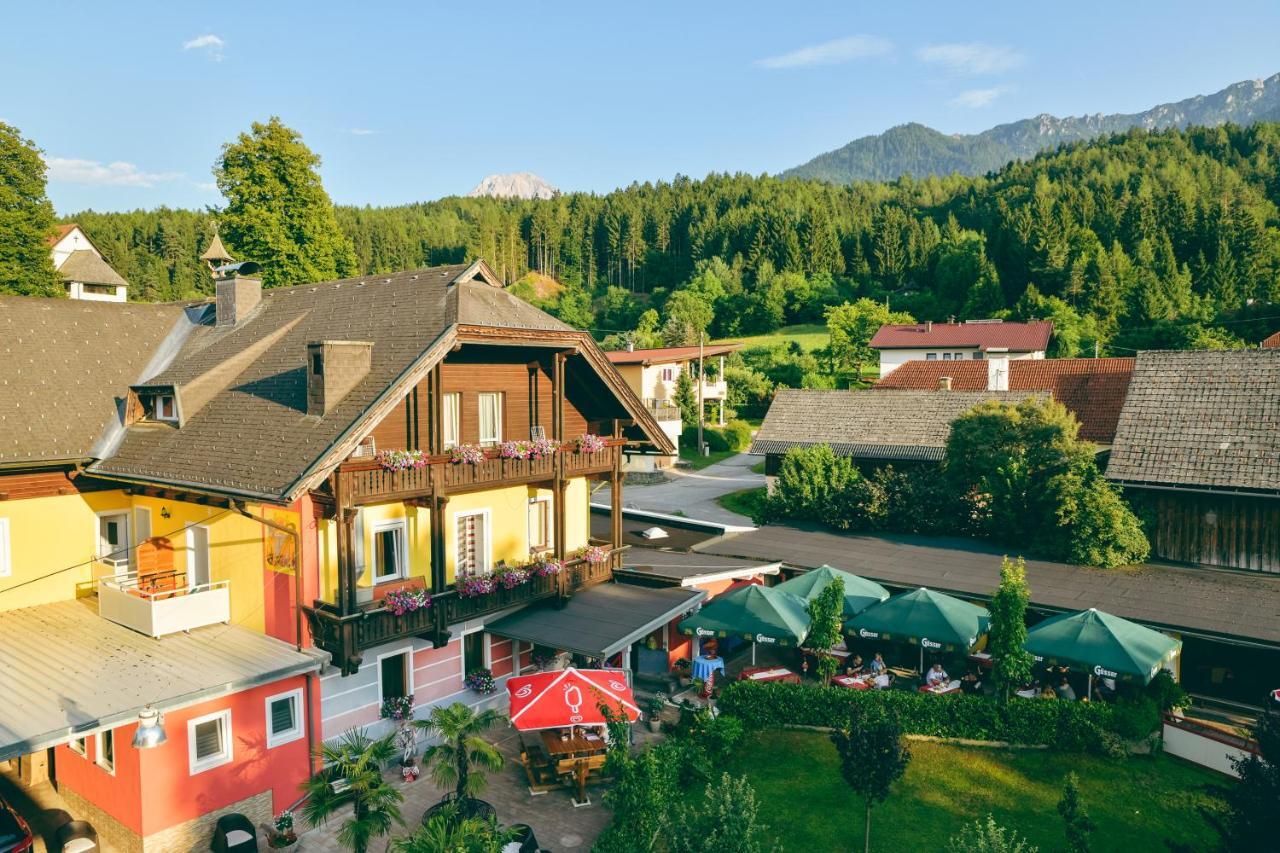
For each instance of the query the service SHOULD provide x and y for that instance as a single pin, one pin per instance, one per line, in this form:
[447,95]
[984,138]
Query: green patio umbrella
[755,613]
[1106,645]
[934,620]
[859,593]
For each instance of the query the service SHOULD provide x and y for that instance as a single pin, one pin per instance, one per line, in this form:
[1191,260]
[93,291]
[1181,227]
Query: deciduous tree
[873,757]
[826,613]
[1010,662]
[26,219]
[853,325]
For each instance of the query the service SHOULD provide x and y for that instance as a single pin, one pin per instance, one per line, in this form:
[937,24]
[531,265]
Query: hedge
[1072,726]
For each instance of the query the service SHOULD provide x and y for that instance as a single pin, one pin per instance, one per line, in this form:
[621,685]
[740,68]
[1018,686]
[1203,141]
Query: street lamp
[150,732]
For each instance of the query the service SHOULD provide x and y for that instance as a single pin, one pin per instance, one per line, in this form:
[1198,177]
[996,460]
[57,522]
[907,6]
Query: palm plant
[462,755]
[353,770]
[446,830]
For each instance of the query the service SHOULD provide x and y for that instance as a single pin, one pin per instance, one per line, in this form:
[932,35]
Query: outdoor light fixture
[164,512]
[150,731]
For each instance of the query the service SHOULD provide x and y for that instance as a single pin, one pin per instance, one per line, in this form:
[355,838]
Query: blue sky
[408,102]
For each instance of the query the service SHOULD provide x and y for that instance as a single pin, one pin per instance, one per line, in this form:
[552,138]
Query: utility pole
[701,338]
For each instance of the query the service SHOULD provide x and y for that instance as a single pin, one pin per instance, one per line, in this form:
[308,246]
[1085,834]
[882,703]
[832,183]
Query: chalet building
[1093,389]
[82,268]
[971,340]
[1199,437]
[204,508]
[652,374]
[875,428]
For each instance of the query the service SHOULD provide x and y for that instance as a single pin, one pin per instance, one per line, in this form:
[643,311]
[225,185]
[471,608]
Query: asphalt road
[694,493]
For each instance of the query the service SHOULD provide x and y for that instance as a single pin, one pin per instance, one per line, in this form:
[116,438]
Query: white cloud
[977,98]
[94,173]
[209,43]
[972,58]
[206,186]
[361,131]
[830,53]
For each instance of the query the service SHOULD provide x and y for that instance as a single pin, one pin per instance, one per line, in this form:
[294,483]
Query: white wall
[1202,750]
[74,241]
[891,359]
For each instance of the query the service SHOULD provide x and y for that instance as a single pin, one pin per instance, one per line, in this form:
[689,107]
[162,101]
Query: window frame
[546,541]
[79,745]
[197,765]
[401,528]
[499,402]
[931,356]
[407,651]
[299,729]
[158,405]
[451,422]
[99,754]
[976,355]
[487,550]
[485,651]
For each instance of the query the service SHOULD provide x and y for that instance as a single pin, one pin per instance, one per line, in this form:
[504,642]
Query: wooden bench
[579,770]
[542,777]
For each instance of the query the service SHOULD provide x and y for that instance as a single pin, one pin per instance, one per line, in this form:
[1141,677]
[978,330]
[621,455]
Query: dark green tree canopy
[26,219]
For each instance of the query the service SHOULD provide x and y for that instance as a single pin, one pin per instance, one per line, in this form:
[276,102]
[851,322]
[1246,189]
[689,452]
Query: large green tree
[853,325]
[1010,662]
[826,613]
[26,219]
[277,212]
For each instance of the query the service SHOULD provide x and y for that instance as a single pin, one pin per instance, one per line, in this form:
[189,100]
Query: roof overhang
[891,452]
[1223,491]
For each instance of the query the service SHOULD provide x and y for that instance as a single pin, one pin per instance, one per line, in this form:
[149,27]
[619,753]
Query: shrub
[987,836]
[1070,726]
[1135,717]
[808,481]
[738,435]
[1167,693]
[715,439]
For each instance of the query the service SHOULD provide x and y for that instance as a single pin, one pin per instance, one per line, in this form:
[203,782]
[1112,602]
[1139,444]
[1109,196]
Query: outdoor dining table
[853,682]
[703,666]
[982,659]
[941,689]
[557,748]
[768,673]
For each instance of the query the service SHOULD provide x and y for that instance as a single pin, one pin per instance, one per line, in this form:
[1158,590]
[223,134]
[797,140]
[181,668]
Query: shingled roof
[88,267]
[1092,388]
[903,425]
[252,435]
[68,365]
[1202,420]
[1015,337]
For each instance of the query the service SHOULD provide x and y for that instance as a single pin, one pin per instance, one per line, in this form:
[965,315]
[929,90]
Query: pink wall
[680,646]
[500,657]
[279,588]
[154,789]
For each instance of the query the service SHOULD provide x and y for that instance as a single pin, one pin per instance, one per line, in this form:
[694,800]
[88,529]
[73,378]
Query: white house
[972,339]
[83,270]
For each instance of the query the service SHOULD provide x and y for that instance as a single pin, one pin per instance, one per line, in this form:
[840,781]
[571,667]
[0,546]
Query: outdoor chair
[77,836]
[541,776]
[525,838]
[234,833]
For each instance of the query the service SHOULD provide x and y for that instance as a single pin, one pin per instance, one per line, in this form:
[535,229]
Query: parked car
[15,835]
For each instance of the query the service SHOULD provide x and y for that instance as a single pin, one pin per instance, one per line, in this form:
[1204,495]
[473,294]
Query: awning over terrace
[600,621]
[935,620]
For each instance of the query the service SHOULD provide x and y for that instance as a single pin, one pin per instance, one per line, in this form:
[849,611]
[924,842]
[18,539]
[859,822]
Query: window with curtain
[539,524]
[490,418]
[450,417]
[473,544]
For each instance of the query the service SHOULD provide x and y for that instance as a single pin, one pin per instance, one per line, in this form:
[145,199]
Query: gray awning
[599,621]
[67,672]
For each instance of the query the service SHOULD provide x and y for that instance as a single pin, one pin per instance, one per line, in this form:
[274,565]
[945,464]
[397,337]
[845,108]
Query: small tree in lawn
[1010,662]
[725,820]
[1075,819]
[355,760]
[463,755]
[872,757]
[987,836]
[825,615]
[1253,822]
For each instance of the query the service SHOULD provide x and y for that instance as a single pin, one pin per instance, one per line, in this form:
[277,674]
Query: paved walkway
[694,493]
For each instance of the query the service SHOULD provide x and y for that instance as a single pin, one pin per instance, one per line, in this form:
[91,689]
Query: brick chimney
[944,383]
[997,370]
[236,296]
[333,369]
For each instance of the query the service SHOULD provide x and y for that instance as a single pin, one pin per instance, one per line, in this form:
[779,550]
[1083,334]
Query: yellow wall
[634,376]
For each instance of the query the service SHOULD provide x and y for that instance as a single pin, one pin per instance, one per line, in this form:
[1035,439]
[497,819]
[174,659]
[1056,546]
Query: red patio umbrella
[569,697]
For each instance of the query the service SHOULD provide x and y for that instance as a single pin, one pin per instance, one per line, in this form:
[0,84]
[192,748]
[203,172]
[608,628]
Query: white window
[452,406]
[539,524]
[977,356]
[113,540]
[946,356]
[959,356]
[284,718]
[209,741]
[106,750]
[166,408]
[390,560]
[931,356]
[80,746]
[6,567]
[473,543]
[668,374]
[490,418]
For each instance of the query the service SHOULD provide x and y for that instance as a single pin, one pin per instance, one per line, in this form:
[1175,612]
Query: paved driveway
[694,493]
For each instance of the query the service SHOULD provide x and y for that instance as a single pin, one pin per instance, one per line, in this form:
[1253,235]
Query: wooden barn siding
[43,484]
[1227,530]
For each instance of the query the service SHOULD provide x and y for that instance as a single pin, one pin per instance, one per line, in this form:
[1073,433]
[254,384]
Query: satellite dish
[654,533]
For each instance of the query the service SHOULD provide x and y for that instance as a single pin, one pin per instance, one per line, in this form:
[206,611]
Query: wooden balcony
[348,637]
[364,481]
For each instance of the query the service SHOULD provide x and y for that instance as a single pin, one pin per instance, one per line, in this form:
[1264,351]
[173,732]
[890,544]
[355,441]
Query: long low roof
[1208,602]
[599,621]
[66,672]
[689,569]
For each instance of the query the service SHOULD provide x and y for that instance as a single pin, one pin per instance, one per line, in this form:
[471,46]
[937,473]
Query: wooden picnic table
[768,673]
[557,748]
[853,682]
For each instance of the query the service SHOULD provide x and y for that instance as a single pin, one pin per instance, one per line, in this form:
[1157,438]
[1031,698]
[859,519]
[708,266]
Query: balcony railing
[715,390]
[365,481]
[160,604]
[662,410]
[347,637]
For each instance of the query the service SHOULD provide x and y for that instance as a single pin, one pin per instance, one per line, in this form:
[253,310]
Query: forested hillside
[1169,238]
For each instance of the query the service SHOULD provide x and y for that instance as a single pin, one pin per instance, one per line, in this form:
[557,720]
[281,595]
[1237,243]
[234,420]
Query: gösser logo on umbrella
[570,697]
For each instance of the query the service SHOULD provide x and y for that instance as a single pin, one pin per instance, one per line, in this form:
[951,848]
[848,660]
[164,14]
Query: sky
[415,101]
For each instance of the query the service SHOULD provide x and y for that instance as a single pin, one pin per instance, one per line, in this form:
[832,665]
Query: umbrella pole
[1089,690]
[753,654]
[922,659]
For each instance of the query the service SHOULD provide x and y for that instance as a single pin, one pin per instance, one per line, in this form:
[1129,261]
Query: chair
[539,773]
[234,833]
[77,836]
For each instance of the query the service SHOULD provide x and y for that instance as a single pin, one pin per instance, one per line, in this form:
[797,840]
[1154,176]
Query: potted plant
[683,671]
[656,703]
[282,835]
[480,680]
[698,685]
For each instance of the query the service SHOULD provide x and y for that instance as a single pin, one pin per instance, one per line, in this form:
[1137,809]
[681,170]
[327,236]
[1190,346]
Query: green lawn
[811,336]
[1137,803]
[744,501]
[758,468]
[697,461]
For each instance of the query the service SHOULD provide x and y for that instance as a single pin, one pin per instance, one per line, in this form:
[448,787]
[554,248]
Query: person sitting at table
[937,676]
[883,680]
[877,664]
[1103,688]
[970,683]
[1048,693]
[1065,691]
[854,666]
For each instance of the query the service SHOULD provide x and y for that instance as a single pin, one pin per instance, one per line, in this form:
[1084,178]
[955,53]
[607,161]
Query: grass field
[811,336]
[743,502]
[1137,803]
[698,462]
[758,468]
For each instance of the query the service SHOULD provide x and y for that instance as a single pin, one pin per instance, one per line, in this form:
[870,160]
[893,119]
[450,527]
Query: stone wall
[191,836]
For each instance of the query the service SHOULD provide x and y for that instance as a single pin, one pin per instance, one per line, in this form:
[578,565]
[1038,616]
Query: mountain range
[919,150]
[514,185]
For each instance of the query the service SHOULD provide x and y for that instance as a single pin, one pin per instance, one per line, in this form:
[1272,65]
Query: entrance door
[113,541]
[197,556]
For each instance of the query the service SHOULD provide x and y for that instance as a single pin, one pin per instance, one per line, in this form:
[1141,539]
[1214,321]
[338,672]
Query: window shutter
[208,739]
[282,715]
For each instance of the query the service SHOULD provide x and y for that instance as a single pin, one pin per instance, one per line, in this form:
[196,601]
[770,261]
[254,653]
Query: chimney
[333,369]
[237,295]
[631,345]
[928,325]
[944,383]
[997,370]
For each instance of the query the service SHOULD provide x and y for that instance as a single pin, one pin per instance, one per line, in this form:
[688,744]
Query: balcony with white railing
[714,389]
[162,603]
